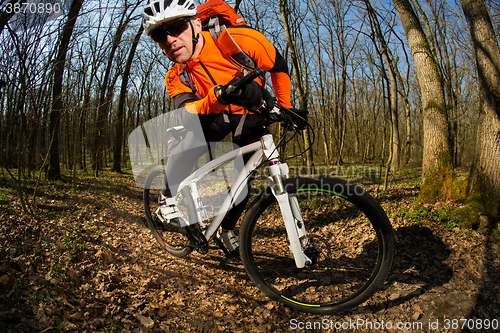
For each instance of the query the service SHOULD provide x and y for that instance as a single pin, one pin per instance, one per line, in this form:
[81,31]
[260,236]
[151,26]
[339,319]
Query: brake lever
[262,110]
[290,117]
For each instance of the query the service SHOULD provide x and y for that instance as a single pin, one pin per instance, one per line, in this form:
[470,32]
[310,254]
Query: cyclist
[198,82]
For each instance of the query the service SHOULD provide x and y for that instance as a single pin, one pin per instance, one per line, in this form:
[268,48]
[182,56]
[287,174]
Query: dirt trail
[124,282]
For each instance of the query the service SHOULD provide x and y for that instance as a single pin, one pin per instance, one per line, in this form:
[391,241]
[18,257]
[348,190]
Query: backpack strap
[185,79]
[214,27]
[232,51]
[228,46]
[239,128]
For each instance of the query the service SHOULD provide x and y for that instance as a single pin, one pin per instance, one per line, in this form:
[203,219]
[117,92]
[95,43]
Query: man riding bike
[198,81]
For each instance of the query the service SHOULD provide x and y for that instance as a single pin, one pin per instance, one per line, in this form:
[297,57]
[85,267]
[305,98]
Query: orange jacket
[211,59]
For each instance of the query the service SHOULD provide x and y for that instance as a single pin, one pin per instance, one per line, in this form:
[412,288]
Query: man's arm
[182,95]
[267,57]
[281,81]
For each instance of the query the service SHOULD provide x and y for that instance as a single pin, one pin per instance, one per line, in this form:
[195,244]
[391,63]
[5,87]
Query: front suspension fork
[290,211]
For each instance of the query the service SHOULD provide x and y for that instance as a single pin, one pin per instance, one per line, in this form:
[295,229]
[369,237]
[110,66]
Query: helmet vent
[158,12]
[148,11]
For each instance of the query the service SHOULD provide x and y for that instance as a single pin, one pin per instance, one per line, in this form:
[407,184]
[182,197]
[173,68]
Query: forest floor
[84,261]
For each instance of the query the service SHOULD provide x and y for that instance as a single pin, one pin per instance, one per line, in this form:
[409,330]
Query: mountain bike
[318,245]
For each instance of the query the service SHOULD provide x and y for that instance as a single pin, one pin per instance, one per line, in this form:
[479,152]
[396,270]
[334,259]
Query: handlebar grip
[245,80]
[298,117]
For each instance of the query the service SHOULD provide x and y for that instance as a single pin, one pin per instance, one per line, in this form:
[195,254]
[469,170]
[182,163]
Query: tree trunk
[103,105]
[302,90]
[485,174]
[408,131]
[393,91]
[117,156]
[5,16]
[55,115]
[322,98]
[437,169]
[446,72]
[237,5]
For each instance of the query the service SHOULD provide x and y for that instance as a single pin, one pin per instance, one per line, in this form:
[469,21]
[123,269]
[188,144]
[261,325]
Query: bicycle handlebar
[245,80]
[292,117]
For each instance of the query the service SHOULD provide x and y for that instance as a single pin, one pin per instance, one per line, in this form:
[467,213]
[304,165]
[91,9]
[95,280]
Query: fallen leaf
[146,321]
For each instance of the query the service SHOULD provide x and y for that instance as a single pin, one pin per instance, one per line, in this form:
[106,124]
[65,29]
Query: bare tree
[7,15]
[437,171]
[104,97]
[55,115]
[117,156]
[321,84]
[237,5]
[342,42]
[393,91]
[485,175]
[299,73]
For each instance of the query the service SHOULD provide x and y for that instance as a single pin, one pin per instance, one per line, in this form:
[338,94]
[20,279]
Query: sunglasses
[161,33]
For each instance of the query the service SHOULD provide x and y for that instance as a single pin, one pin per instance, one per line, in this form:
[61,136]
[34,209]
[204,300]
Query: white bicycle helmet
[158,12]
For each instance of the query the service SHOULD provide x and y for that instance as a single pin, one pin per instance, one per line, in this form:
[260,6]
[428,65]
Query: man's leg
[252,132]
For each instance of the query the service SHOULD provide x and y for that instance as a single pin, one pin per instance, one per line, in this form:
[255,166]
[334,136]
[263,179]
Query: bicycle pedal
[228,254]
[197,238]
[175,223]
[168,212]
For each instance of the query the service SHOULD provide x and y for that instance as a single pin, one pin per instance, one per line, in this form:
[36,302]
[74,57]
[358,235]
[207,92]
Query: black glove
[300,117]
[250,96]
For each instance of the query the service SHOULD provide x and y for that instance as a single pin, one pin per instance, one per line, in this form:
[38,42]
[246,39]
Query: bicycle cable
[266,159]
[301,153]
[296,131]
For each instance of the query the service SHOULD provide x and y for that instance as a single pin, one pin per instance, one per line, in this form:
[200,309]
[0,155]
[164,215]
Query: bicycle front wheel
[170,238]
[351,245]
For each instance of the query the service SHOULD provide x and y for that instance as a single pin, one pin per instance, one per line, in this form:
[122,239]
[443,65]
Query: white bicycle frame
[263,149]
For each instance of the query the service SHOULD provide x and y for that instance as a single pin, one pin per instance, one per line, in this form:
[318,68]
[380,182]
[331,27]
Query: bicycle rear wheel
[170,238]
[352,249]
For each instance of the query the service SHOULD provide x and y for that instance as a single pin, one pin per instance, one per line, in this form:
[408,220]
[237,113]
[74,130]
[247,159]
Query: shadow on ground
[418,267]
[488,297]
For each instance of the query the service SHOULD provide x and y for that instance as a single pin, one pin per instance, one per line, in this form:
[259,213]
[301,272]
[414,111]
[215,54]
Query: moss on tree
[481,200]
[468,215]
[441,184]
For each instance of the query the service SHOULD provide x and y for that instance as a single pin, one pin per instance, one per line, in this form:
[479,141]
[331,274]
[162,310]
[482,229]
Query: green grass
[422,215]
[4,199]
[74,243]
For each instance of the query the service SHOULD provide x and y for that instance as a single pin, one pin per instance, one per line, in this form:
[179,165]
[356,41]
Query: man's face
[176,39]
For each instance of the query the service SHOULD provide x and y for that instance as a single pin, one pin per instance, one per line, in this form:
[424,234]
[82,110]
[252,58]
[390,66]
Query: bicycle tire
[168,237]
[350,230]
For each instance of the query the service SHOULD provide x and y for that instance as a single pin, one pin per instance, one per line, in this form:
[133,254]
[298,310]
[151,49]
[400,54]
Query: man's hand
[250,96]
